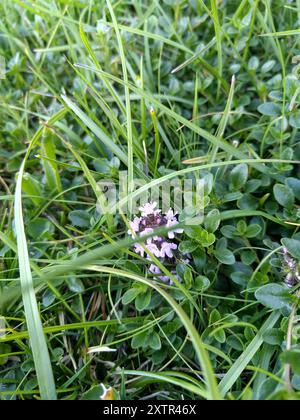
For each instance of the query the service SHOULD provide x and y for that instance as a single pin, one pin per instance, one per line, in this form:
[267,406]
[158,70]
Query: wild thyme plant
[150,219]
[196,90]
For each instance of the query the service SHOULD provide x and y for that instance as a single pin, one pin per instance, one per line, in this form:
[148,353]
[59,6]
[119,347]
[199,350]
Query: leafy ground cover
[160,89]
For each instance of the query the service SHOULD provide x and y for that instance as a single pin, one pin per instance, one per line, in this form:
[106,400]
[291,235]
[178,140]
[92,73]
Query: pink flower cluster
[152,218]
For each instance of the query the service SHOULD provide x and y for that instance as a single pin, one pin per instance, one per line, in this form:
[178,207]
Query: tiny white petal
[100,349]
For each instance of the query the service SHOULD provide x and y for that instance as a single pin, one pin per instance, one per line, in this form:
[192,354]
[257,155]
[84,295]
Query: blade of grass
[95,187]
[291,32]
[179,46]
[224,119]
[37,339]
[96,62]
[95,129]
[49,164]
[217,26]
[127,100]
[69,327]
[194,57]
[245,358]
[168,379]
[266,355]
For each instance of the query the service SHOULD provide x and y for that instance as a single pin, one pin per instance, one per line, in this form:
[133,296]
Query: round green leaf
[212,221]
[284,195]
[270,109]
[143,300]
[273,296]
[202,283]
[293,246]
[79,218]
[225,256]
[238,177]
[295,119]
[130,295]
[187,247]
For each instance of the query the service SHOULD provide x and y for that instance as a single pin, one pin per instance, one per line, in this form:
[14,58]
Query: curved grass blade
[162,377]
[37,339]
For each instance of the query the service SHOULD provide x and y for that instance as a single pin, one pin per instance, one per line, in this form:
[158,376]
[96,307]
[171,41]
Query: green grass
[160,89]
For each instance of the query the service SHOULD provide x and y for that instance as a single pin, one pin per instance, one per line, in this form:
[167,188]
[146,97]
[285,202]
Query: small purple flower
[149,208]
[152,247]
[135,226]
[165,279]
[138,249]
[151,219]
[167,249]
[154,269]
[171,234]
[147,231]
[172,221]
[170,215]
